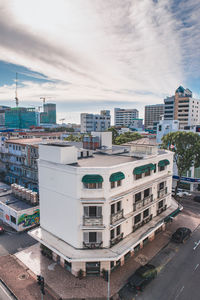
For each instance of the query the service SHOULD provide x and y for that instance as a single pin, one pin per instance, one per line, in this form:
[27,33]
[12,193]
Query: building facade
[97,211]
[48,116]
[95,122]
[125,117]
[169,108]
[21,118]
[164,127]
[153,113]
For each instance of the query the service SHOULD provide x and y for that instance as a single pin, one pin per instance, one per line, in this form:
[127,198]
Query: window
[161,186]
[112,184]
[138,197]
[112,209]
[145,213]
[160,204]
[97,185]
[138,176]
[119,183]
[118,230]
[112,234]
[13,219]
[146,193]
[137,219]
[148,173]
[119,206]
[92,211]
[155,168]
[92,237]
[162,168]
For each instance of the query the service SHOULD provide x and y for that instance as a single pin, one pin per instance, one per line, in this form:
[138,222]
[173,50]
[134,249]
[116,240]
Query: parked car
[142,277]
[181,235]
[1,230]
[196,198]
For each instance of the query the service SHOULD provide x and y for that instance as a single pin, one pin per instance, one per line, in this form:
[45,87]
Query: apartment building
[169,108]
[97,211]
[126,117]
[95,122]
[153,113]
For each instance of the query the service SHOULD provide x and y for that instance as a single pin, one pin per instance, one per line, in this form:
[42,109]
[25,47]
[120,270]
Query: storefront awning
[172,215]
[117,176]
[143,169]
[163,163]
[93,178]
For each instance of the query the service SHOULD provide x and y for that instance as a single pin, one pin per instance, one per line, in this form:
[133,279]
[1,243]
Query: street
[5,294]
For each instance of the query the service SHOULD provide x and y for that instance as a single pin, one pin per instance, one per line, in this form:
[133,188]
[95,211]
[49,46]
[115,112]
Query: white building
[125,117]
[164,127]
[99,210]
[95,122]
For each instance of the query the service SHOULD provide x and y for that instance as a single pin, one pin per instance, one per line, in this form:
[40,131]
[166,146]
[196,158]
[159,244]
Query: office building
[97,211]
[126,117]
[48,116]
[153,113]
[95,122]
[169,108]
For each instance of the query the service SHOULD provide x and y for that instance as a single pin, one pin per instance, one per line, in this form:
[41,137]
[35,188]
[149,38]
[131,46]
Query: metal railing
[92,245]
[117,216]
[162,192]
[141,223]
[160,210]
[116,240]
[142,202]
[92,221]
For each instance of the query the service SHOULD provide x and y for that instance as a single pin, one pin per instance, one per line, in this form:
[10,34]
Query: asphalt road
[180,278]
[4,293]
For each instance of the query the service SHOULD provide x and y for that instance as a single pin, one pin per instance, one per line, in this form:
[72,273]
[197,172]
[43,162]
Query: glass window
[138,176]
[112,209]
[92,211]
[112,234]
[145,213]
[13,219]
[137,219]
[138,197]
[112,184]
[118,230]
[160,204]
[146,193]
[119,206]
[119,183]
[161,186]
[97,185]
[92,237]
[162,168]
[148,173]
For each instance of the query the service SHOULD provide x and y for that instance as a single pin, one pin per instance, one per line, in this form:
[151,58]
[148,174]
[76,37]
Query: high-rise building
[48,116]
[125,117]
[2,114]
[169,108]
[95,122]
[21,118]
[153,114]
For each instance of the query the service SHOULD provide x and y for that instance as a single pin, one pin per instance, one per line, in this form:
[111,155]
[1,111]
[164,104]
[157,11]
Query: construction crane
[63,119]
[44,99]
[16,98]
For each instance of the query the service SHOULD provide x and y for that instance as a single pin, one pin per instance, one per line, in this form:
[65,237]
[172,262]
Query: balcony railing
[117,216]
[142,203]
[144,221]
[162,193]
[92,245]
[116,240]
[160,210]
[92,221]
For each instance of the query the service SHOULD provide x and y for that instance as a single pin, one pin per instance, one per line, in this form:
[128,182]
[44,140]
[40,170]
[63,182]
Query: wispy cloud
[109,50]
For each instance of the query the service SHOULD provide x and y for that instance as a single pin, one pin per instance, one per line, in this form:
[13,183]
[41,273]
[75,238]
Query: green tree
[186,148]
[127,137]
[74,138]
[114,133]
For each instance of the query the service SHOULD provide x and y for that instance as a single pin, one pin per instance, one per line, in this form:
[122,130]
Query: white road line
[179,292]
[6,292]
[196,267]
[196,245]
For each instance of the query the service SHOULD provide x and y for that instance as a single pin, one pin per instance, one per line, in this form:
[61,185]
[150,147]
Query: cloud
[110,50]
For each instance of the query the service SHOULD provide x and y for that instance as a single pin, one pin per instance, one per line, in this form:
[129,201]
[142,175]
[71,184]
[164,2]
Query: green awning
[117,176]
[143,169]
[173,214]
[93,178]
[163,163]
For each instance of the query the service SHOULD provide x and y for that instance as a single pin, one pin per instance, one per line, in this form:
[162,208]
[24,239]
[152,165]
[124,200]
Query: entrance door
[93,268]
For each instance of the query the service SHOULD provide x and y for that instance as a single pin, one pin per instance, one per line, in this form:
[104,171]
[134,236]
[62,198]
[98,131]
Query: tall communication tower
[16,98]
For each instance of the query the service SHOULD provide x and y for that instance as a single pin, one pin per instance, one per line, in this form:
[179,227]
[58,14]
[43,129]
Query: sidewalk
[66,285]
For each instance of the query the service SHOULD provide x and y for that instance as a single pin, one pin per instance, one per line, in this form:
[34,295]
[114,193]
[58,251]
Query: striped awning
[117,176]
[143,169]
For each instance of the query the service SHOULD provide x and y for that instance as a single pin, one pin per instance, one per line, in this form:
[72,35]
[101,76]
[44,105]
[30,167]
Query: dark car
[142,277]
[197,199]
[1,230]
[181,235]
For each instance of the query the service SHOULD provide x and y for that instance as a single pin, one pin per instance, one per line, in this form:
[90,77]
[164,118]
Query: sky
[88,55]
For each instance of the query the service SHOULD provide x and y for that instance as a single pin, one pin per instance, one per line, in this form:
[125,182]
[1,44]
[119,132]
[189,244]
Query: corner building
[97,211]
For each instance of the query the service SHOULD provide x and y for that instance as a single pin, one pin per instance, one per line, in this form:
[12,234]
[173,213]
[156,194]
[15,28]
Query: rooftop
[143,141]
[24,141]
[16,204]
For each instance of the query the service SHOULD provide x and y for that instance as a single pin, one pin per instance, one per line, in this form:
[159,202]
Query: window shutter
[86,237]
[99,237]
[99,211]
[86,211]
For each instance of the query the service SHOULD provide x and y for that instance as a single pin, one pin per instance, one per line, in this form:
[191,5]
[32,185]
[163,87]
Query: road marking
[196,267]
[179,292]
[196,245]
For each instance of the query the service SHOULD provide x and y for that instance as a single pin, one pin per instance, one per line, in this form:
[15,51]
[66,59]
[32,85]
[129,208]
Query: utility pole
[16,98]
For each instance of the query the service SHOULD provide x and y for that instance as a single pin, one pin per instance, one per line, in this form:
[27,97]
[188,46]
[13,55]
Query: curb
[10,291]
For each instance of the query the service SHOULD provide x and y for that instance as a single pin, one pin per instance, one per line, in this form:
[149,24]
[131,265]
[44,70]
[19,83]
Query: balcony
[162,193]
[116,240]
[144,221]
[117,216]
[160,210]
[92,221]
[142,203]
[93,245]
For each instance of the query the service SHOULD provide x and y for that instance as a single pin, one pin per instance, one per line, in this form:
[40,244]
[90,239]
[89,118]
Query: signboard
[187,179]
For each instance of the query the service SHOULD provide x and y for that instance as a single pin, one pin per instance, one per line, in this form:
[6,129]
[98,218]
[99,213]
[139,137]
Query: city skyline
[98,55]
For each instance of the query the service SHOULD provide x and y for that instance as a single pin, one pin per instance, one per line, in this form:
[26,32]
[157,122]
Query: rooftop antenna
[16,98]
